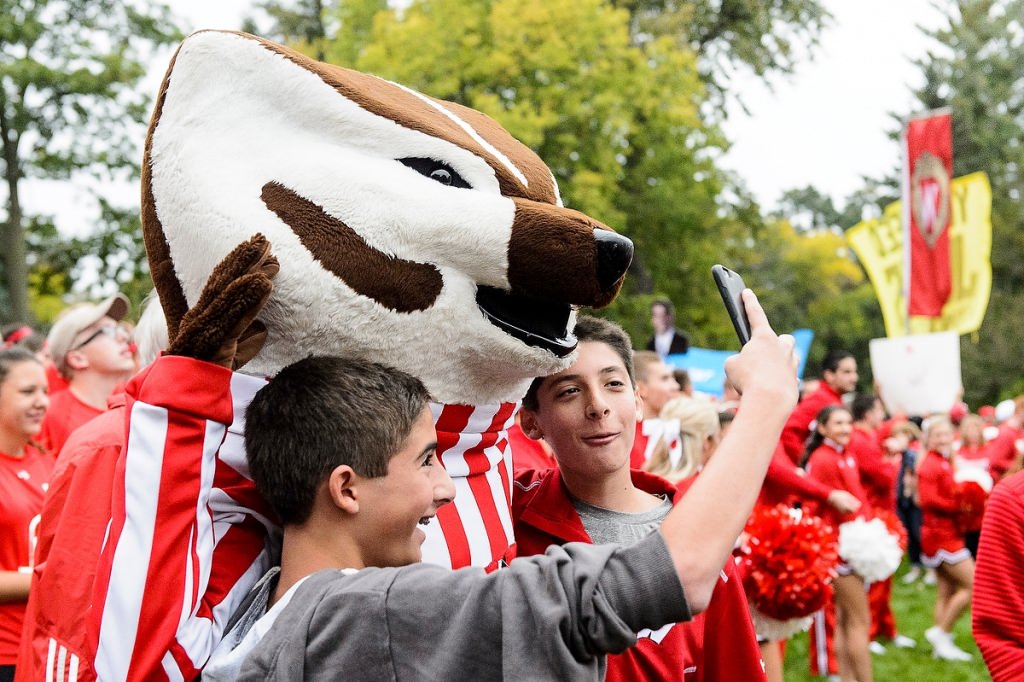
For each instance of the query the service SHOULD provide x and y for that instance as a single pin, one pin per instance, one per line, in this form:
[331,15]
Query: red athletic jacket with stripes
[148,597]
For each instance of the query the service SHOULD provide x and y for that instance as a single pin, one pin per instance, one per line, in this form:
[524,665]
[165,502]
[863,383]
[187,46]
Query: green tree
[763,36]
[68,103]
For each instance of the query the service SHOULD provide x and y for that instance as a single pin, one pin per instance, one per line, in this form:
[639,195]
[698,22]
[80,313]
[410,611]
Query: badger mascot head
[409,231]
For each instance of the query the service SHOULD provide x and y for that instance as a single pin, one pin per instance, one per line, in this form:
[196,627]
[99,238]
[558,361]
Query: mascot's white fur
[409,230]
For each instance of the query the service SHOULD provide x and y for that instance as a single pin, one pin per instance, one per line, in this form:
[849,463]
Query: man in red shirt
[655,385]
[838,376]
[92,351]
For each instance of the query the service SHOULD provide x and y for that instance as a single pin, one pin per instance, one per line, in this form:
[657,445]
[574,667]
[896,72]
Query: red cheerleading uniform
[798,426]
[837,470]
[23,482]
[718,644]
[997,608]
[941,539]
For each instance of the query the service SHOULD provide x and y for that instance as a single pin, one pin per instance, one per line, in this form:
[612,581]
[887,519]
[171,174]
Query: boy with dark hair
[594,497]
[545,617]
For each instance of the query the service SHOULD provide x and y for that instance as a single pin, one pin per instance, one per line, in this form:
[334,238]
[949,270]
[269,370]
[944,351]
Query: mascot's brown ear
[222,327]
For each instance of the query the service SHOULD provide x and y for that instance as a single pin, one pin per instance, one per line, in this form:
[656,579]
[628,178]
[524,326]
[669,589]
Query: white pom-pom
[869,549]
[774,630]
[975,475]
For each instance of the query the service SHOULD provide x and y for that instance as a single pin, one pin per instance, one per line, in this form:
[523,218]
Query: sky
[825,125]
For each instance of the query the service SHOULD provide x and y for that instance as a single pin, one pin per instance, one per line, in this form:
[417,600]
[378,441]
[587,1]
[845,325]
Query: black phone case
[730,285]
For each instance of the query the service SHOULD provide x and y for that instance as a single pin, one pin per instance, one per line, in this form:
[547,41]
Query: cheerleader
[827,461]
[24,472]
[942,544]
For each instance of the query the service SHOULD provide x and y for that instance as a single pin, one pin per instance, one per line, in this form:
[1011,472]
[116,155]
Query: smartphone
[730,285]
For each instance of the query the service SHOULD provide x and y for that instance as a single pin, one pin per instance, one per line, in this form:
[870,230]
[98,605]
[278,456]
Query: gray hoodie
[548,617]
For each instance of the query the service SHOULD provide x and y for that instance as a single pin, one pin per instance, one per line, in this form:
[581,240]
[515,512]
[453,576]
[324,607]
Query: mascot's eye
[438,171]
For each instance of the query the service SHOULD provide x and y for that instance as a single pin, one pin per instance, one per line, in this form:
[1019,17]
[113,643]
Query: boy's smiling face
[396,504]
[587,413]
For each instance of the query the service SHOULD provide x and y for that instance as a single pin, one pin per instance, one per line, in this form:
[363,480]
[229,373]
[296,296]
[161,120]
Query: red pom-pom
[789,562]
[971,497]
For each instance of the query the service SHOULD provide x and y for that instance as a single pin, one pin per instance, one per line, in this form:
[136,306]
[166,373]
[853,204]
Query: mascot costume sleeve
[404,229]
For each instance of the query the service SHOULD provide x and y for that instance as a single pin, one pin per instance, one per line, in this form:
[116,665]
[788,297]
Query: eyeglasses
[113,331]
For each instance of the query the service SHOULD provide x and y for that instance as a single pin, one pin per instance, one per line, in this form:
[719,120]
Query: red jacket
[718,644]
[798,426]
[997,610]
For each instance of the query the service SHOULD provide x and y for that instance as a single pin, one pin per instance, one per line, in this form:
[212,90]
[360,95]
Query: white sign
[917,375]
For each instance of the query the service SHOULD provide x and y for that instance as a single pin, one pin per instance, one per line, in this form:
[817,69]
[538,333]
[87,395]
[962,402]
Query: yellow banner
[879,246]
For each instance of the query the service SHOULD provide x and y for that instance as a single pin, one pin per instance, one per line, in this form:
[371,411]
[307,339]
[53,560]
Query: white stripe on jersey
[171,669]
[73,669]
[143,463]
[51,654]
[61,662]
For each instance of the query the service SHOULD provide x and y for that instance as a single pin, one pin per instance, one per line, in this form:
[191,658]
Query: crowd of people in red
[945,485]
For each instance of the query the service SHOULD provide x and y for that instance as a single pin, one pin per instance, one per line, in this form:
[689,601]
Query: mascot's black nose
[614,254]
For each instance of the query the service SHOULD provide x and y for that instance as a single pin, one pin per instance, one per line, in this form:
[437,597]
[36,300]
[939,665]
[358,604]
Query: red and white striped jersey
[472,445]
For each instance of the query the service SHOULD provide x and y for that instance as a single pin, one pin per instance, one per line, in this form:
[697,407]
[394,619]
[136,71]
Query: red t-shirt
[65,414]
[23,482]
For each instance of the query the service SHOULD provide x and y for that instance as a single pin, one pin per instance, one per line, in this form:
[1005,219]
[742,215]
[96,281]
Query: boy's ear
[76,360]
[341,488]
[528,423]
[639,405]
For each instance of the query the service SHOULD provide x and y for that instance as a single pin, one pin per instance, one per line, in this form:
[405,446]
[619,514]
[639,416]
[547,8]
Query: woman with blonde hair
[698,436]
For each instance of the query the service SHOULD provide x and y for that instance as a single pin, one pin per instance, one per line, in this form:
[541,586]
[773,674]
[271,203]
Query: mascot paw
[222,327]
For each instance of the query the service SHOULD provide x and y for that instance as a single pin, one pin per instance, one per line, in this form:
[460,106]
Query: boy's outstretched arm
[702,529]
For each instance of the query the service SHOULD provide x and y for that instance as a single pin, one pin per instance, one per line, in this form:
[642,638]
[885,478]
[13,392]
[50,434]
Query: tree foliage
[68,103]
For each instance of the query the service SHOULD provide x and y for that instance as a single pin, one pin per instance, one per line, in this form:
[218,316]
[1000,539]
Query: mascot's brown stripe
[401,285]
[161,267]
[391,102]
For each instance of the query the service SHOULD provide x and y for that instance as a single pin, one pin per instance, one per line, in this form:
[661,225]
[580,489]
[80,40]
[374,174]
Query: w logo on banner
[926,176]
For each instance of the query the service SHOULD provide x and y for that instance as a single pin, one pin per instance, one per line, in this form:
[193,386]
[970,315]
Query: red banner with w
[926,213]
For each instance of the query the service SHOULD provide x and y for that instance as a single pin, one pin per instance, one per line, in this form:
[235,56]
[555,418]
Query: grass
[912,606]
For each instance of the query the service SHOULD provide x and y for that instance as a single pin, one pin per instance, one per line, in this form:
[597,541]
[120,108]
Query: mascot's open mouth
[534,322]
